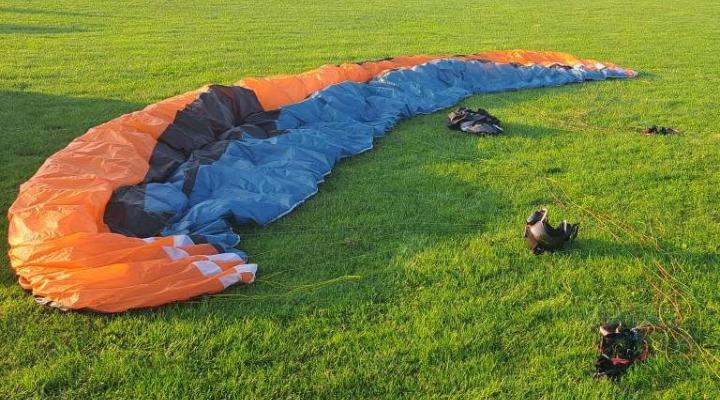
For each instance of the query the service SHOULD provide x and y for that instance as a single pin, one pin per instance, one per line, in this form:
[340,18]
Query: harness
[541,236]
[619,348]
[479,122]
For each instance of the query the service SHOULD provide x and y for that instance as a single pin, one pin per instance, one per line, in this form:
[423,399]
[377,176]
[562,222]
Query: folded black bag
[479,122]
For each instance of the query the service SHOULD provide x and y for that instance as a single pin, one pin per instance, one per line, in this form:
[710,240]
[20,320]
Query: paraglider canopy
[139,211]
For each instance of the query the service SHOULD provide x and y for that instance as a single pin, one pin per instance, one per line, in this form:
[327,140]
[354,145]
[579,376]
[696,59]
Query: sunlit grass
[407,274]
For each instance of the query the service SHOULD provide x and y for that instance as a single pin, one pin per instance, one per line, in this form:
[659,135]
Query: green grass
[406,276]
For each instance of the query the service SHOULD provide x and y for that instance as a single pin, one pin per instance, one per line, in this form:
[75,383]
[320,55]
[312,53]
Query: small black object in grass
[541,236]
[479,122]
[619,348]
[659,130]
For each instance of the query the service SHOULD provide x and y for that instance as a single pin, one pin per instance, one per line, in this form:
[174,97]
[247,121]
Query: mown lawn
[406,276]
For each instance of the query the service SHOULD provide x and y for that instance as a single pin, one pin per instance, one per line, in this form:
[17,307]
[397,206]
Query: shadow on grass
[647,76]
[37,30]
[40,124]
[675,284]
[33,11]
[590,248]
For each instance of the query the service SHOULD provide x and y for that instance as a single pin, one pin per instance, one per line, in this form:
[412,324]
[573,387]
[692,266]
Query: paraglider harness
[659,130]
[619,348]
[541,236]
[479,122]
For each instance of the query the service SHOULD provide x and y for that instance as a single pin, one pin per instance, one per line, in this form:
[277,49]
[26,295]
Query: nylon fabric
[138,211]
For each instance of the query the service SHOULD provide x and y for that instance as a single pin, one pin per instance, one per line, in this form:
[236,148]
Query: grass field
[407,275]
